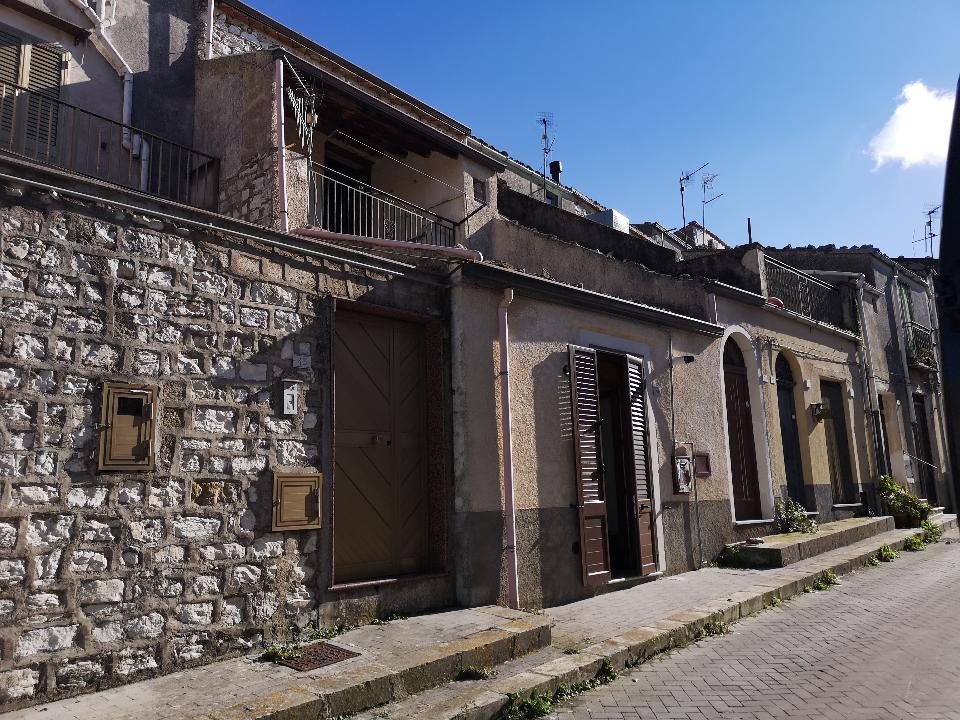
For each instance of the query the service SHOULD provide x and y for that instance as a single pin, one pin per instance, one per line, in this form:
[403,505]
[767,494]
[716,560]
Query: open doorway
[614,488]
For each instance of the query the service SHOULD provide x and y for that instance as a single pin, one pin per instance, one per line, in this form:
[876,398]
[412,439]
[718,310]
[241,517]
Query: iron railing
[341,204]
[49,131]
[919,340]
[808,296]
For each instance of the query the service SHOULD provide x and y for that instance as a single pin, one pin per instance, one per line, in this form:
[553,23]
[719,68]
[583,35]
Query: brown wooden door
[838,451]
[639,467]
[743,454]
[381,508]
[584,396]
[921,438]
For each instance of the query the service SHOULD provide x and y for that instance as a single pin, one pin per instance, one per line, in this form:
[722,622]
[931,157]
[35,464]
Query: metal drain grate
[318,655]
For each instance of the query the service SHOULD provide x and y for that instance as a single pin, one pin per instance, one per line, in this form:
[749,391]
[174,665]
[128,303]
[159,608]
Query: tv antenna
[546,120]
[686,177]
[928,233]
[706,182]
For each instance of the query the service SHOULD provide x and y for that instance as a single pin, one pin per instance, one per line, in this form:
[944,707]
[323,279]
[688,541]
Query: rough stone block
[46,640]
[49,530]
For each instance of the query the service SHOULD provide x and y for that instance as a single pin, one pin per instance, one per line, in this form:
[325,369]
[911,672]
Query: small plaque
[301,361]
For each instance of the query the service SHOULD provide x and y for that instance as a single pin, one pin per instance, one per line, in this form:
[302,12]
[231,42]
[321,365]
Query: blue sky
[783,99]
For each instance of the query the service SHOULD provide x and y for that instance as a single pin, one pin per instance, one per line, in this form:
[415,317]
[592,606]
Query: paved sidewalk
[880,646]
[626,626]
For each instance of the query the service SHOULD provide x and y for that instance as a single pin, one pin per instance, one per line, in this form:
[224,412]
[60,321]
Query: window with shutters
[29,120]
[615,493]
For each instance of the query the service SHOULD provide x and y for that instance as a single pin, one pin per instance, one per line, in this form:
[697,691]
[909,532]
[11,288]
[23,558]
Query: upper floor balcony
[920,346]
[44,129]
[809,296]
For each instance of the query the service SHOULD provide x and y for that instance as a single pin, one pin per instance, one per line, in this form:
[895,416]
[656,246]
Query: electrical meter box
[297,500]
[127,427]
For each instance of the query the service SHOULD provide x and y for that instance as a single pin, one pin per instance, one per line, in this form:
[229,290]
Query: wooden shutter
[10,53]
[44,77]
[638,465]
[591,500]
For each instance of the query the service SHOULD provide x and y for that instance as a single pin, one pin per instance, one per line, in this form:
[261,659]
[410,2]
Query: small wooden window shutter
[44,78]
[10,54]
[638,464]
[591,500]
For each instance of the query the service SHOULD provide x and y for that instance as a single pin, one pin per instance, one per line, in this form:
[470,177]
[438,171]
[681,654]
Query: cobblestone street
[883,644]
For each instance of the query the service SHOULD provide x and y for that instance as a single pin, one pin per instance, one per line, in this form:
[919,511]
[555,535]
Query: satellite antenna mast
[707,183]
[684,179]
[545,119]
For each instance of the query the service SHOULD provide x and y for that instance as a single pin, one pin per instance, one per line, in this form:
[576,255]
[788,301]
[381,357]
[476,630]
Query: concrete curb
[640,644]
[361,688]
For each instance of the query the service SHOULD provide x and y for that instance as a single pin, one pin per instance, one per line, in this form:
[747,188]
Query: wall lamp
[817,411]
[687,359]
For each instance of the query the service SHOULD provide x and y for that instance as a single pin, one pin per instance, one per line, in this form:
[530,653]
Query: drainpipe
[210,4]
[509,507]
[281,154]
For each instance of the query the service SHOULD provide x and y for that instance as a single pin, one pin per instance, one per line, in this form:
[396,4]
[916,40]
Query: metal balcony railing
[49,131]
[341,204]
[808,296]
[919,340]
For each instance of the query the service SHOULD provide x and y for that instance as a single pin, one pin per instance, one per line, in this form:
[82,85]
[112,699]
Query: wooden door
[591,500]
[638,465]
[381,505]
[743,455]
[789,434]
[921,434]
[838,450]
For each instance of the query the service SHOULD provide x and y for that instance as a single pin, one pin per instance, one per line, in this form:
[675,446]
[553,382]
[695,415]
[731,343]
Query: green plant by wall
[914,543]
[789,516]
[728,556]
[825,580]
[932,533]
[279,653]
[885,553]
[901,501]
[475,673]
[872,561]
[537,705]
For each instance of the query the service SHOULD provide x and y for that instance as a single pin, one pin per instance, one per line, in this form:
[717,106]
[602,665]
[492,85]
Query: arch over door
[743,454]
[789,433]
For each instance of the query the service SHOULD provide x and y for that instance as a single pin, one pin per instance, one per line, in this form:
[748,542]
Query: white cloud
[918,132]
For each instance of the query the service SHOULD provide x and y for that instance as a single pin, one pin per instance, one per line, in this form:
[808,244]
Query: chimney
[556,167]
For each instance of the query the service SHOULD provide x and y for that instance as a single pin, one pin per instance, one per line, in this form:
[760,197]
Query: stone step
[788,548]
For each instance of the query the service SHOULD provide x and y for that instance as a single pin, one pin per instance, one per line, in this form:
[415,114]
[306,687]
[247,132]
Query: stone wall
[107,577]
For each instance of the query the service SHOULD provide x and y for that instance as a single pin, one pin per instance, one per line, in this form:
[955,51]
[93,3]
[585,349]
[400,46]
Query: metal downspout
[509,505]
[281,154]
[210,6]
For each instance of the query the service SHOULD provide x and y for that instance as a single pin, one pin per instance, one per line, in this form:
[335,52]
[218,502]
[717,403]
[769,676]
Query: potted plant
[908,510]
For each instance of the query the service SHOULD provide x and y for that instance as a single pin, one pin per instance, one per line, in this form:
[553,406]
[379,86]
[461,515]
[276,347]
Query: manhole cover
[318,655]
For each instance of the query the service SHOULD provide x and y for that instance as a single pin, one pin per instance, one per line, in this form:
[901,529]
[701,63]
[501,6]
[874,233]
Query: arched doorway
[789,433]
[743,454]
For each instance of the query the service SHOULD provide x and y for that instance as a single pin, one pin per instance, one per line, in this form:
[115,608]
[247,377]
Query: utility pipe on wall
[210,4]
[281,152]
[509,506]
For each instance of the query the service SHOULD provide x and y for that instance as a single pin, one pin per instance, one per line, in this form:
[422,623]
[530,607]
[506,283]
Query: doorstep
[788,548]
[396,659]
[631,626]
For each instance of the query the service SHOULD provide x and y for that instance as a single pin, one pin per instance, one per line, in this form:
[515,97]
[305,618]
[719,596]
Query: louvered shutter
[10,53]
[591,500]
[44,77]
[638,464]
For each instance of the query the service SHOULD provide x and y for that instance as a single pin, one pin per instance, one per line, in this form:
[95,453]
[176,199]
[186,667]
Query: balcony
[49,131]
[920,344]
[809,296]
[341,204]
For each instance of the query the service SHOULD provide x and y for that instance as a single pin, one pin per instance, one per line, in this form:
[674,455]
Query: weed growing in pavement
[808,588]
[825,580]
[885,553]
[914,543]
[716,627]
[872,561]
[728,556]
[776,601]
[279,653]
[476,673]
[537,705]
[932,533]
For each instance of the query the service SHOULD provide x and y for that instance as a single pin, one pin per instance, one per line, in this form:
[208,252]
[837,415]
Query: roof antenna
[707,182]
[546,119]
[928,233]
[749,232]
[684,179]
